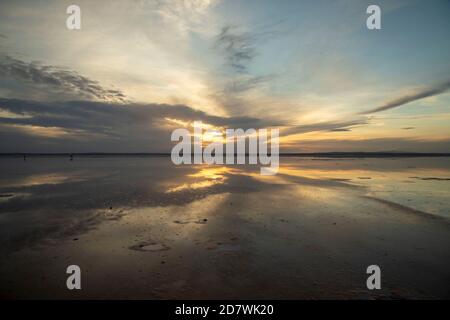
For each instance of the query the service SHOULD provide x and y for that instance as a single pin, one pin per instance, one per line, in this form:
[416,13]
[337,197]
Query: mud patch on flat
[6,195]
[149,247]
[430,178]
[197,221]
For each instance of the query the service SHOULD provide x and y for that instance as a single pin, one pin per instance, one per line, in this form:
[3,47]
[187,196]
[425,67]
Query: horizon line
[283,154]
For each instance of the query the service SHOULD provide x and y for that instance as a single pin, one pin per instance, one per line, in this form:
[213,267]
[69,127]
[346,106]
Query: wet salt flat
[141,227]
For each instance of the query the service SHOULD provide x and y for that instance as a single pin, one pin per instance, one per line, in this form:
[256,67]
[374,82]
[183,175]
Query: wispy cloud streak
[323,126]
[56,78]
[421,94]
[238,47]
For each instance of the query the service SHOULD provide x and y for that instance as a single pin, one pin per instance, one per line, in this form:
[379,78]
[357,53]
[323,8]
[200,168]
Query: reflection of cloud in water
[222,228]
[40,179]
[197,185]
[210,176]
[65,199]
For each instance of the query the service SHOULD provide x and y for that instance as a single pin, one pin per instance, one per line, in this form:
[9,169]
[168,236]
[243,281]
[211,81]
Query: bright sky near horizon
[138,69]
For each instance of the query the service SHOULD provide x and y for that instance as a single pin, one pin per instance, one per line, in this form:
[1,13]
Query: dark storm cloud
[425,93]
[56,78]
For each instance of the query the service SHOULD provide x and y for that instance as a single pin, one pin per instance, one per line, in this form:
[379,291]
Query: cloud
[340,130]
[238,88]
[57,79]
[242,94]
[85,126]
[394,144]
[246,83]
[418,95]
[237,47]
[323,126]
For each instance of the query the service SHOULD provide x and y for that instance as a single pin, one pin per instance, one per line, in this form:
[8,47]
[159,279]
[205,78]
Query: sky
[137,70]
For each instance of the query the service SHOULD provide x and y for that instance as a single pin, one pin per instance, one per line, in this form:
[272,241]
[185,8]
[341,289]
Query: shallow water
[140,227]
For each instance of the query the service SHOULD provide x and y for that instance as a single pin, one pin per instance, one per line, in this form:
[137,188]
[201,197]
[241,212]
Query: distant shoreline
[305,155]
